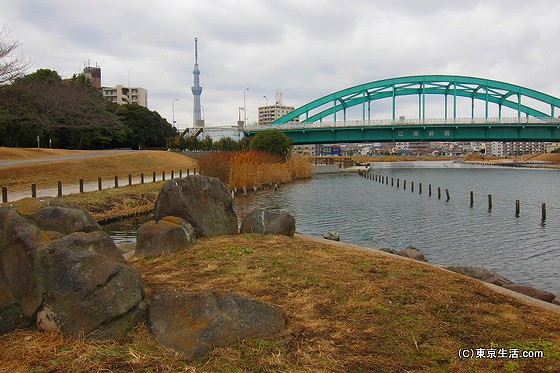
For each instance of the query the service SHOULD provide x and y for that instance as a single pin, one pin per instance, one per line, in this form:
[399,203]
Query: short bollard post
[188,171]
[116,181]
[129,179]
[99,183]
[172,174]
[194,171]
[489,202]
[33,190]
[163,175]
[154,177]
[81,185]
[4,194]
[141,178]
[517,208]
[181,174]
[59,188]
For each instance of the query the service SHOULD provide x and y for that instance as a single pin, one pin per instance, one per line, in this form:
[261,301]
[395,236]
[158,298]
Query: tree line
[72,113]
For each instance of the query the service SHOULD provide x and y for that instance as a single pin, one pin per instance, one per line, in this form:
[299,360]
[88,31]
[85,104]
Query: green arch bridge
[531,115]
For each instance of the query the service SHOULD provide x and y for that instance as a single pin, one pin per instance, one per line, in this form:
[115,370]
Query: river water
[525,249]
[373,214]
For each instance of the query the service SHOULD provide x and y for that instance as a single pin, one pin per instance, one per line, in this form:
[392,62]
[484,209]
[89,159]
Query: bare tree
[11,66]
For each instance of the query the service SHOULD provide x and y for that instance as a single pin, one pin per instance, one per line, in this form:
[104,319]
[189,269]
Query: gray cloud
[306,48]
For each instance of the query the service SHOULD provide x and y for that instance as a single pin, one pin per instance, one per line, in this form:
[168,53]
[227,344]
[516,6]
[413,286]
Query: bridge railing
[412,122]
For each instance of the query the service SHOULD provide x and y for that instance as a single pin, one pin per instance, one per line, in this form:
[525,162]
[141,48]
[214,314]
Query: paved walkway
[17,162]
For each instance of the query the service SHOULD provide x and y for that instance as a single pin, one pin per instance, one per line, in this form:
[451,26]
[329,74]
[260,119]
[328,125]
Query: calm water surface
[372,214]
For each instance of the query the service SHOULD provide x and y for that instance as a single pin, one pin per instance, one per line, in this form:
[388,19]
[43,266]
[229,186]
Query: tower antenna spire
[196,90]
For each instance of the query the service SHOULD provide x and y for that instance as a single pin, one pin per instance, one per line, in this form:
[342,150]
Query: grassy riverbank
[348,310]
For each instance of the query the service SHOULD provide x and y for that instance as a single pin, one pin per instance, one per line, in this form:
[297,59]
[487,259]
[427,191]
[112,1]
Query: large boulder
[51,214]
[531,292]
[262,221]
[193,323]
[480,273]
[20,290]
[168,235]
[202,201]
[77,283]
[89,288]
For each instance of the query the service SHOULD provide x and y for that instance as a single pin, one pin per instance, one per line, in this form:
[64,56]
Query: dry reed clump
[253,168]
[216,164]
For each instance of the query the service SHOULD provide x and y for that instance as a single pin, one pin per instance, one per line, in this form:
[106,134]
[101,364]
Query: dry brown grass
[33,153]
[348,311]
[107,166]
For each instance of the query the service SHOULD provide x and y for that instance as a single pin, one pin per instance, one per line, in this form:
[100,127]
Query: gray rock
[168,235]
[202,201]
[480,273]
[51,214]
[531,292]
[89,288]
[262,221]
[20,290]
[193,323]
[412,253]
[333,236]
[389,250]
[556,300]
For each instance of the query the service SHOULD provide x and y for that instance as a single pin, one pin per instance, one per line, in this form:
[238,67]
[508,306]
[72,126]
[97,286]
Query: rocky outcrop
[202,201]
[67,275]
[332,236]
[531,292]
[412,253]
[193,323]
[480,273]
[262,221]
[168,235]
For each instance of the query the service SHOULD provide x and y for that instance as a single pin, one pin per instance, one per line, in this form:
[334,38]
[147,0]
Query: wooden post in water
[34,190]
[438,193]
[4,194]
[447,195]
[543,212]
[81,185]
[398,182]
[429,190]
[59,188]
[412,186]
[517,208]
[489,202]
[392,181]
[420,188]
[99,183]
[472,198]
[404,184]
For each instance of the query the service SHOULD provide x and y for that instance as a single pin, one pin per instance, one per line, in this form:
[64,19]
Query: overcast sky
[305,48]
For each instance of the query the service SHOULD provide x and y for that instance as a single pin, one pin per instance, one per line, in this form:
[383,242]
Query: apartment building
[126,95]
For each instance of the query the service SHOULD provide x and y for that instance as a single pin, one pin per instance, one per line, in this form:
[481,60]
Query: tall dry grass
[253,168]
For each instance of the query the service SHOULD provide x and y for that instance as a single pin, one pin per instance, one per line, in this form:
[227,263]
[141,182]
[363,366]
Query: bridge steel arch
[477,89]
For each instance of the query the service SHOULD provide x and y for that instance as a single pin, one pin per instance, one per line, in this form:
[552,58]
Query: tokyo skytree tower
[196,89]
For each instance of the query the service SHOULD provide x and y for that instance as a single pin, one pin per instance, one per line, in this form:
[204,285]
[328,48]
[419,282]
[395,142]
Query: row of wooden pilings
[143,180]
[386,180]
[255,188]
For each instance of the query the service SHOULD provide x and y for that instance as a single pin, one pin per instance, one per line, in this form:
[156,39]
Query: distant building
[515,148]
[306,150]
[126,95]
[269,113]
[119,94]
